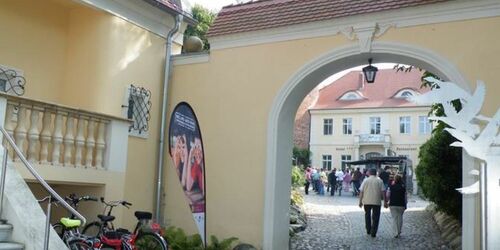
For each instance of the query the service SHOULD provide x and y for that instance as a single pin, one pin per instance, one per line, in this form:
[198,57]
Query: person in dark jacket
[331,181]
[396,195]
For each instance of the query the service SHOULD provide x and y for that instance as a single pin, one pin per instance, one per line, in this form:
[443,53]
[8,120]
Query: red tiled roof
[170,4]
[379,94]
[265,14]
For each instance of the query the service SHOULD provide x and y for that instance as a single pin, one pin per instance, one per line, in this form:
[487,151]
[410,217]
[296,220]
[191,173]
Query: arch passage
[286,103]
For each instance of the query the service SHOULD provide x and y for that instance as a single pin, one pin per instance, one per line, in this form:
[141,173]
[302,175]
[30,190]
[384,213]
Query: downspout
[163,127]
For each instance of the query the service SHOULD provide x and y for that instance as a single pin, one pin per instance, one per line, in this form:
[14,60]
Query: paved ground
[338,223]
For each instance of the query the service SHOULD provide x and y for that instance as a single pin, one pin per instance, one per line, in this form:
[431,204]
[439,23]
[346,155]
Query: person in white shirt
[340,178]
[371,196]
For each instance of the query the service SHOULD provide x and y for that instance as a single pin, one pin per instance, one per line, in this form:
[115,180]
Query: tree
[301,156]
[205,19]
[439,171]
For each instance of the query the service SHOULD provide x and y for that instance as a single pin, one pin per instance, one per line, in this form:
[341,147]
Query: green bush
[298,178]
[296,198]
[439,173]
[178,240]
[301,156]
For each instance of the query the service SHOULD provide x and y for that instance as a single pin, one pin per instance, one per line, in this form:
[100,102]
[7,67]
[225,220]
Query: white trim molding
[191,58]
[141,14]
[287,100]
[449,11]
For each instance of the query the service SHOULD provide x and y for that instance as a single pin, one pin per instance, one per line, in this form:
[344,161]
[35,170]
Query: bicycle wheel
[59,228]
[79,244]
[93,229]
[150,241]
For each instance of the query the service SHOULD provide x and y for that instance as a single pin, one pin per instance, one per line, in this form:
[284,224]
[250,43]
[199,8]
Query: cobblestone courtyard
[338,223]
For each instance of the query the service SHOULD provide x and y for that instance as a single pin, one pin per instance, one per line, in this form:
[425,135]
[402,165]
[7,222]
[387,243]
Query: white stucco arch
[287,101]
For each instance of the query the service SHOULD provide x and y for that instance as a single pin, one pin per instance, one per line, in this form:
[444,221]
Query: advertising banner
[186,150]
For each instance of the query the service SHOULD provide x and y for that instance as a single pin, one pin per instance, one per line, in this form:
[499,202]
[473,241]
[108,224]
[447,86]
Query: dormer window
[405,93]
[351,95]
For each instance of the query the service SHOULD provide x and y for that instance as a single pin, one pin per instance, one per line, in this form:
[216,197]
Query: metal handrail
[39,179]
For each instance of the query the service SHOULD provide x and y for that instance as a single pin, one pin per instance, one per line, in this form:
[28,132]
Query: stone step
[11,246]
[5,232]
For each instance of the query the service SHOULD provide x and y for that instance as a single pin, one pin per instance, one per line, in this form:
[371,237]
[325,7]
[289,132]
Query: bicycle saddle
[141,215]
[105,218]
[69,223]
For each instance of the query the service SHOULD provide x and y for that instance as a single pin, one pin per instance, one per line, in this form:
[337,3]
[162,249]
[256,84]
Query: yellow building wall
[75,55]
[232,96]
[34,40]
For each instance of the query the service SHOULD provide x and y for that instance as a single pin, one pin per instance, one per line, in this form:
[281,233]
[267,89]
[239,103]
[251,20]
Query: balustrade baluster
[45,136]
[57,139]
[33,135]
[79,141]
[20,131]
[9,127]
[100,144]
[69,140]
[90,143]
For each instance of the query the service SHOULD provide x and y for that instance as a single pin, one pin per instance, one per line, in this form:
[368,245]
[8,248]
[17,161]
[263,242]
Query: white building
[353,119]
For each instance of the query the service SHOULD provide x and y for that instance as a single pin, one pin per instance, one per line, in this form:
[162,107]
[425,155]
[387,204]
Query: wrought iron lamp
[370,72]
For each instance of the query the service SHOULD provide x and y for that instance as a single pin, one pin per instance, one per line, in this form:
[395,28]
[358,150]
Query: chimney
[361,81]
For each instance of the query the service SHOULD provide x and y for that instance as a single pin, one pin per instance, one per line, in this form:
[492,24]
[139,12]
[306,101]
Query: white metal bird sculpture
[463,120]
[447,91]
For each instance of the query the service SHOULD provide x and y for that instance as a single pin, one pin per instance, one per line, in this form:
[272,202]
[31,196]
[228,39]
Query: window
[405,125]
[374,125]
[11,81]
[344,159]
[327,162]
[327,126]
[347,126]
[405,93]
[351,95]
[138,105]
[424,126]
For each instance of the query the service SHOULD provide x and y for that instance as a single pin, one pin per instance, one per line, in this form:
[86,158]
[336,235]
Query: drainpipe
[163,127]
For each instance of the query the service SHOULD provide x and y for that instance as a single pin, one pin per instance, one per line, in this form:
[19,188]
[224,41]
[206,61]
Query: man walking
[372,192]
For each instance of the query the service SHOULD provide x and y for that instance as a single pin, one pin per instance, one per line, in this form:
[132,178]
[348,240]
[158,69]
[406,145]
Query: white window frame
[327,162]
[375,125]
[424,126]
[347,126]
[132,131]
[405,125]
[343,160]
[328,126]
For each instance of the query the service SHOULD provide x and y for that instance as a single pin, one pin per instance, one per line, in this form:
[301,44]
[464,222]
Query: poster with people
[186,150]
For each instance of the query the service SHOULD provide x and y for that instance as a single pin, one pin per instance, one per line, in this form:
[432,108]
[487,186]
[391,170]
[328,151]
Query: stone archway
[280,123]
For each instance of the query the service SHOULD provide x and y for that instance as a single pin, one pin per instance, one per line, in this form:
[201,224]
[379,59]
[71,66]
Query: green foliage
[296,198]
[222,245]
[178,240]
[301,156]
[205,19]
[298,178]
[439,173]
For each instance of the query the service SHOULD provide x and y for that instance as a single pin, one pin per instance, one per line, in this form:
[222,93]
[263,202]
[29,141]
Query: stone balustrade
[52,134]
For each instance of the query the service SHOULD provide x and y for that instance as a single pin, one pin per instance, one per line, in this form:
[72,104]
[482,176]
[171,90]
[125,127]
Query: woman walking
[347,180]
[396,195]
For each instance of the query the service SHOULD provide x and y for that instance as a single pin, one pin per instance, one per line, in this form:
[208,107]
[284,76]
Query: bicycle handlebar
[116,203]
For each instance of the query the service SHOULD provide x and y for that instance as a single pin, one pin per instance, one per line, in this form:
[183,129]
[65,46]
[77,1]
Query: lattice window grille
[11,81]
[139,107]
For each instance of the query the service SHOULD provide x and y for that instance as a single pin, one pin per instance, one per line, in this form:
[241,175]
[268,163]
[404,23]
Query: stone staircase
[5,236]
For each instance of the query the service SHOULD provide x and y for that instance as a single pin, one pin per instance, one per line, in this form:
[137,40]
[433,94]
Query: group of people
[372,189]
[334,180]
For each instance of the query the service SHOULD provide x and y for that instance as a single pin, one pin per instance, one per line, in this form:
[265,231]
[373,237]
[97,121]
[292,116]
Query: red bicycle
[146,235]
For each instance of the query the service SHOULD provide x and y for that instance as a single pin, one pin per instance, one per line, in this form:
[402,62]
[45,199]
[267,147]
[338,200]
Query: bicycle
[67,228]
[73,200]
[144,236]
